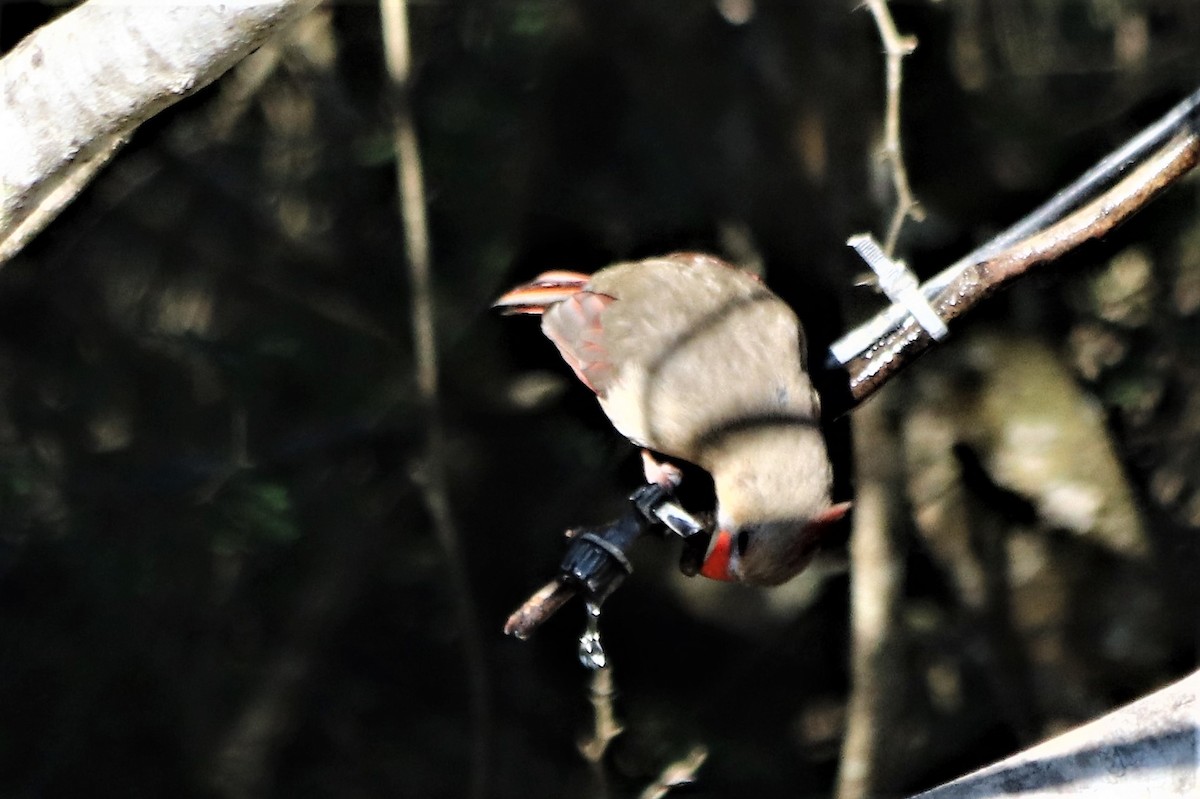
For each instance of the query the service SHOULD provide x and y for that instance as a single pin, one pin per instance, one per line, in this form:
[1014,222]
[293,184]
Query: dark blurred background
[217,573]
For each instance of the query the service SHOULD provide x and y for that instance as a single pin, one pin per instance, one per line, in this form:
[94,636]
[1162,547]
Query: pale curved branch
[75,90]
[1148,748]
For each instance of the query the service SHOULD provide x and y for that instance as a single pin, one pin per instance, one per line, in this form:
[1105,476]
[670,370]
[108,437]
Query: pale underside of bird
[698,360]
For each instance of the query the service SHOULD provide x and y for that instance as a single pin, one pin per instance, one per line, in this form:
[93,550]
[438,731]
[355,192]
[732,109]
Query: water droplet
[591,651]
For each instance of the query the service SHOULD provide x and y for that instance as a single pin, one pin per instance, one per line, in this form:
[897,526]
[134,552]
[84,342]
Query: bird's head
[768,552]
[773,505]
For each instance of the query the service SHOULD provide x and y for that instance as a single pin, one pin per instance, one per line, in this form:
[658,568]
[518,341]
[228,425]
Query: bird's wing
[575,327]
[570,318]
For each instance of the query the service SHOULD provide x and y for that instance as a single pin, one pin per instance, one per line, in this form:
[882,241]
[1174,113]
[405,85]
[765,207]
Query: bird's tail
[543,291]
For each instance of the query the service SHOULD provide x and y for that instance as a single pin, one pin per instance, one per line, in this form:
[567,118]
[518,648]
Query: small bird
[696,359]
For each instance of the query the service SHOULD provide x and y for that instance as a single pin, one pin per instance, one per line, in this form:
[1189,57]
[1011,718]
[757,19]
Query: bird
[696,359]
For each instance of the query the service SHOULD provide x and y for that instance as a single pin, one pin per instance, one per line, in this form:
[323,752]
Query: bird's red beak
[716,564]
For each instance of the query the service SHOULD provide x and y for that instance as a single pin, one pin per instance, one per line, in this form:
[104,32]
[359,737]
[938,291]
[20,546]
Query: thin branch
[679,772]
[876,583]
[605,726]
[72,97]
[433,479]
[896,47]
[876,556]
[972,283]
[873,339]
[544,603]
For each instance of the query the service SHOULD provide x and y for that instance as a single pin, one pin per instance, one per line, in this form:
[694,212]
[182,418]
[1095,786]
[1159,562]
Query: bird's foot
[661,473]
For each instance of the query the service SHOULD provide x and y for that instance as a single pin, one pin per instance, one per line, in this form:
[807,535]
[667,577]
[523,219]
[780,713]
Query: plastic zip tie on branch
[900,285]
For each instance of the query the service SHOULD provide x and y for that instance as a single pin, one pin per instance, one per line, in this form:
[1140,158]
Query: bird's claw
[656,500]
[657,504]
[662,473]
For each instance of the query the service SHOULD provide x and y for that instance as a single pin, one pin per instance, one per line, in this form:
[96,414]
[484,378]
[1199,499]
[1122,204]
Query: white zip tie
[900,285]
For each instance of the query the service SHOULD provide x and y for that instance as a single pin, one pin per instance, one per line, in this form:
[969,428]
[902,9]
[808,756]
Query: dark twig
[432,477]
[544,603]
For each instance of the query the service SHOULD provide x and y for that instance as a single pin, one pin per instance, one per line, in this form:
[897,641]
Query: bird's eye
[742,541]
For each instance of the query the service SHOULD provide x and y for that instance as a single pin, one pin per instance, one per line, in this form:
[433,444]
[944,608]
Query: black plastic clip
[596,559]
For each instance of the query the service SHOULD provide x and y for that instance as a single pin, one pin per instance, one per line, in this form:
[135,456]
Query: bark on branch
[1148,748]
[75,90]
[974,282]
